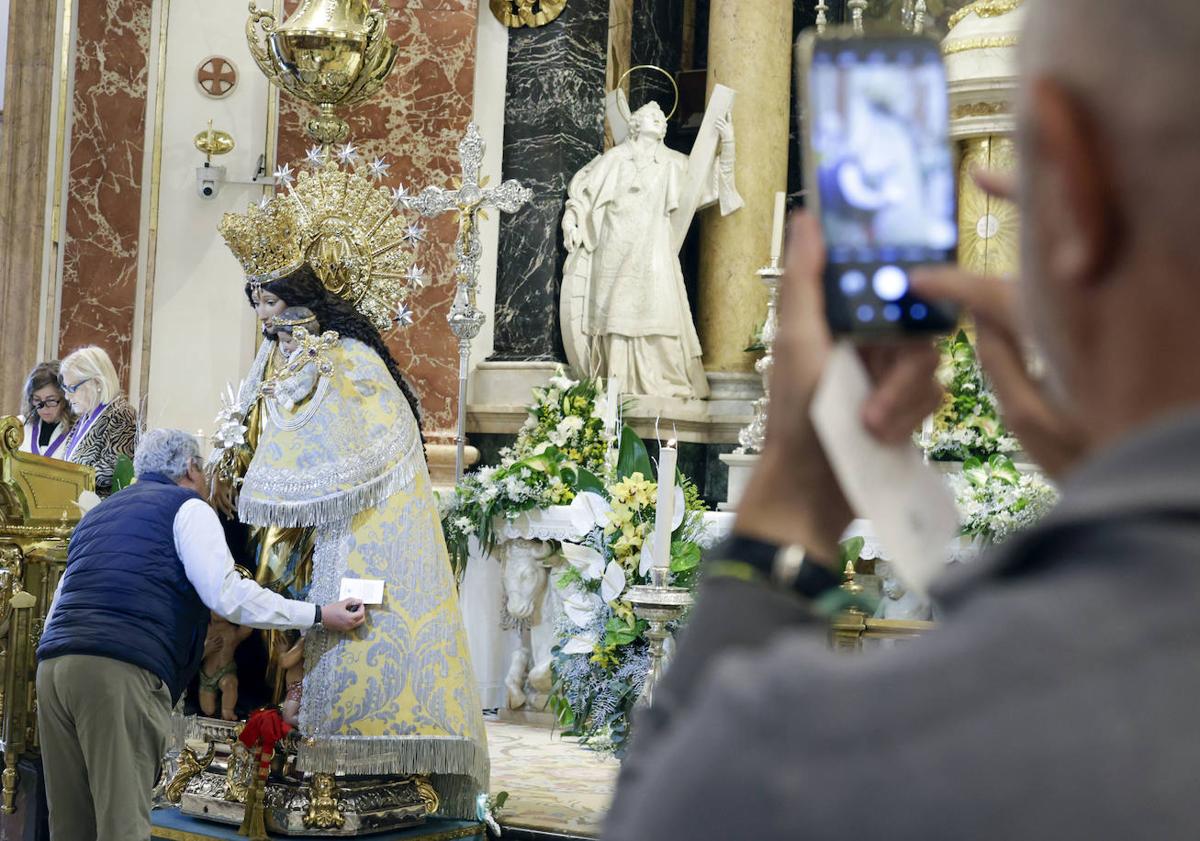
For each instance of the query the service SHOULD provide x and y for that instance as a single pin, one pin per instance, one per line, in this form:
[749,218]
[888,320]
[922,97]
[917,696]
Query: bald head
[1131,66]
[1109,140]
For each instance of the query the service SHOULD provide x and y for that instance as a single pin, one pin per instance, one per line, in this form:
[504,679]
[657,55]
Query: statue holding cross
[625,311]
[469,201]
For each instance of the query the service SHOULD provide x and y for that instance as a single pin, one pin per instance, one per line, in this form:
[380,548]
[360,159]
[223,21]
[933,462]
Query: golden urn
[332,53]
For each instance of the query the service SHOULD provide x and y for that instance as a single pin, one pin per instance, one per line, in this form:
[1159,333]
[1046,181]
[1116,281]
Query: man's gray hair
[165,451]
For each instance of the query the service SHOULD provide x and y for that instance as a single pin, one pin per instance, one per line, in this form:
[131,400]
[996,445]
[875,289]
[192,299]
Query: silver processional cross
[469,200]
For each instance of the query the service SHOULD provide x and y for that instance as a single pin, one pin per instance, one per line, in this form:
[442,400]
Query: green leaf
[633,457]
[122,473]
[975,472]
[685,556]
[618,632]
[500,800]
[1003,467]
[586,481]
[852,549]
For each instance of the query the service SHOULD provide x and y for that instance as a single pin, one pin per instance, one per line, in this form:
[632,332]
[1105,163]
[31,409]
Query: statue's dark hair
[302,288]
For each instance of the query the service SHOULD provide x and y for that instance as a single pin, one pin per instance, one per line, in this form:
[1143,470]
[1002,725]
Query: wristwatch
[785,567]
[317,618]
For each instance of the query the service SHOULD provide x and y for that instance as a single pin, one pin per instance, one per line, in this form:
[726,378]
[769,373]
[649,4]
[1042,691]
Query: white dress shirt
[200,544]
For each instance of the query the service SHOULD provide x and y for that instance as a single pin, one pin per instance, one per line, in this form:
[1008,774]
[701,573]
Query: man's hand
[345,615]
[1053,438]
[793,496]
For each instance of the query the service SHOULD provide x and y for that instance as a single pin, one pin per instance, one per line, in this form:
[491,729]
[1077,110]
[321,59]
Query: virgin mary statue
[337,487]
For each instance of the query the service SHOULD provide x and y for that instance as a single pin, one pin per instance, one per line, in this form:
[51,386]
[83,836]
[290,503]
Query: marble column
[104,191]
[24,160]
[749,50]
[658,39]
[554,124]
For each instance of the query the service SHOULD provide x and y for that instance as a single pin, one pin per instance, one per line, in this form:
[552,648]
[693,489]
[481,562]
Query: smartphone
[880,174]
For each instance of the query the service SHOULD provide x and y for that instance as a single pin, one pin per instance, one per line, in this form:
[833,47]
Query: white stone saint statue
[625,308]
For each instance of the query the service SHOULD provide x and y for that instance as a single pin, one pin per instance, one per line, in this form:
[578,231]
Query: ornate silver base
[215,773]
[359,807]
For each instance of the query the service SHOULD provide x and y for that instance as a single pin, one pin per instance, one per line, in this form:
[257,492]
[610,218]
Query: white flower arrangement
[562,443]
[996,500]
[603,660]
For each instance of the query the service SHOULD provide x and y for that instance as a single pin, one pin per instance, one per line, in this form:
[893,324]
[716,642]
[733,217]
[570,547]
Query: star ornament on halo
[347,154]
[403,316]
[414,234]
[315,156]
[416,277]
[378,168]
[399,196]
[285,175]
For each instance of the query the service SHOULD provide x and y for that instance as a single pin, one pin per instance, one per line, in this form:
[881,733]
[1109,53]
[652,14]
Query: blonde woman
[106,425]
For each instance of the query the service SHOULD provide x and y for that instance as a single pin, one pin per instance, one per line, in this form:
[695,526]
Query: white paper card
[909,506]
[366,590]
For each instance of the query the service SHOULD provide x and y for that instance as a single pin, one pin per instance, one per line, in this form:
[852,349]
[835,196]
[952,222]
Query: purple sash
[81,429]
[55,443]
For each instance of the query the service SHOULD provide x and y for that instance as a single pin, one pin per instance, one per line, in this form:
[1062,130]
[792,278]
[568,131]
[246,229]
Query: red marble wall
[415,124]
[104,190]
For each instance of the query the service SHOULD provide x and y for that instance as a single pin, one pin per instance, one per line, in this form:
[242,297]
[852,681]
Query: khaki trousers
[103,726]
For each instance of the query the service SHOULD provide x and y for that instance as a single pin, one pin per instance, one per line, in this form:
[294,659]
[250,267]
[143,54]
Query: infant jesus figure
[289,328]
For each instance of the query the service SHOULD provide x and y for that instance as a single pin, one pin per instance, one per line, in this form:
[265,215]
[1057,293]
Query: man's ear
[1074,154]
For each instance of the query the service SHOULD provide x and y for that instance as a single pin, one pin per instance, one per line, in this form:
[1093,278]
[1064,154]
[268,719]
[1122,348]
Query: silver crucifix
[469,200]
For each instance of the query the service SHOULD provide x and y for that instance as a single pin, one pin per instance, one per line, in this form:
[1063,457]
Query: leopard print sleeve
[114,435]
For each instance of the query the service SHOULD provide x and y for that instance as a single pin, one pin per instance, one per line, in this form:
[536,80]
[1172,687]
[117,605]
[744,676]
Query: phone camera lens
[853,283]
[918,312]
[866,313]
[890,283]
[891,312]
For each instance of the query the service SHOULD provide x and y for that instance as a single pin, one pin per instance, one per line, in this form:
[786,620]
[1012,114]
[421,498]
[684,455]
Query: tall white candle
[777,229]
[664,512]
[613,408]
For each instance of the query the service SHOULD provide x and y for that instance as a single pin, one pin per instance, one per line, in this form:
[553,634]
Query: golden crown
[265,240]
[348,228]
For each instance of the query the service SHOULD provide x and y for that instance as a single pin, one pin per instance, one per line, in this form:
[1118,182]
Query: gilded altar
[37,515]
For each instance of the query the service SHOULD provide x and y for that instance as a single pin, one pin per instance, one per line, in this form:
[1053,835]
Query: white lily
[588,511]
[587,560]
[583,643]
[678,513]
[613,583]
[581,607]
[647,558]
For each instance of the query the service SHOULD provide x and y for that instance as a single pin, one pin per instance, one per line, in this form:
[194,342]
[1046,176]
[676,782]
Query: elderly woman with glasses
[48,417]
[106,425]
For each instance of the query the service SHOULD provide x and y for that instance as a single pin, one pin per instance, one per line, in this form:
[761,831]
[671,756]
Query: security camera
[208,180]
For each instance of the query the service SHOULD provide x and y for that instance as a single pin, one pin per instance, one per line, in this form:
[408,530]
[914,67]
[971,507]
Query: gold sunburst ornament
[342,222]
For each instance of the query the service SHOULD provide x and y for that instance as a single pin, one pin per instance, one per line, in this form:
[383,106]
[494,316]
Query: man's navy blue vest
[125,594]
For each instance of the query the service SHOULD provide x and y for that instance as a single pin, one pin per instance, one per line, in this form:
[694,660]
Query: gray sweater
[1058,699]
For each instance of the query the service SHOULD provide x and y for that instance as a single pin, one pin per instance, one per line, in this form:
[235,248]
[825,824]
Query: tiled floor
[553,784]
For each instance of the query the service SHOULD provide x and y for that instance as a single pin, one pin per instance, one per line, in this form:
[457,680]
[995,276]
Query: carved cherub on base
[218,670]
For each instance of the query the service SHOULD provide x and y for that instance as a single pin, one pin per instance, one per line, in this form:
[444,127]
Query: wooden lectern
[37,515]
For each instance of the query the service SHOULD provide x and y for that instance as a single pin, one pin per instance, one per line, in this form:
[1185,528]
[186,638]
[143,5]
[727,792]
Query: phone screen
[878,134]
